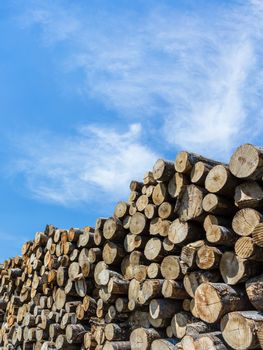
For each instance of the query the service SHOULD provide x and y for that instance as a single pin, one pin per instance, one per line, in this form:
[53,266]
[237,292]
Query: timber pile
[178,266]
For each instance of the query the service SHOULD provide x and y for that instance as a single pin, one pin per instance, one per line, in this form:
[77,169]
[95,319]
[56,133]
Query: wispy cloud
[197,72]
[192,79]
[84,166]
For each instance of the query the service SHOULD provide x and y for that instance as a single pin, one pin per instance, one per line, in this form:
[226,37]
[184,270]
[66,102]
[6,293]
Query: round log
[211,341]
[235,270]
[166,211]
[114,332]
[160,193]
[138,224]
[150,211]
[185,161]
[163,170]
[220,235]
[199,173]
[246,162]
[112,253]
[177,184]
[170,267]
[113,229]
[179,323]
[218,205]
[121,209]
[164,344]
[192,280]
[153,250]
[245,221]
[141,338]
[257,235]
[164,308]
[240,329]
[214,300]
[249,194]
[208,257]
[174,290]
[254,289]
[142,202]
[245,248]
[211,219]
[190,203]
[154,270]
[183,232]
[219,180]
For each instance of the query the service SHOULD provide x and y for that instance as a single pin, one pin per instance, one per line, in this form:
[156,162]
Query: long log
[142,338]
[247,162]
[214,300]
[240,329]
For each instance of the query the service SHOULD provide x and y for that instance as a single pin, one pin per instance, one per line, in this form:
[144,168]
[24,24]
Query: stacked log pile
[177,266]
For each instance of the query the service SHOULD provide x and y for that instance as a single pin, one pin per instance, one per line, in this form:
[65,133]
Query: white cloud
[197,73]
[83,167]
[192,79]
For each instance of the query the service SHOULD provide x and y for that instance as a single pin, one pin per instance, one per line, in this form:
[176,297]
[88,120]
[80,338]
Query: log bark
[220,235]
[113,229]
[208,257]
[219,180]
[185,161]
[211,341]
[189,206]
[235,270]
[192,280]
[211,219]
[240,329]
[248,195]
[247,162]
[121,209]
[154,250]
[177,184]
[199,173]
[254,289]
[160,193]
[189,252]
[163,170]
[218,205]
[179,323]
[164,344]
[214,300]
[117,345]
[174,290]
[142,338]
[183,232]
[163,308]
[245,248]
[257,235]
[245,221]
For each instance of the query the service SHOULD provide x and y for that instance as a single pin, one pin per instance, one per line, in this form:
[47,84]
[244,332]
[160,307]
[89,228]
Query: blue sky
[93,92]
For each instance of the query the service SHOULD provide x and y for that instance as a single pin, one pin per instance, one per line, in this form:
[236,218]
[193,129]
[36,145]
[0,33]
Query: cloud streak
[192,79]
[81,168]
[193,73]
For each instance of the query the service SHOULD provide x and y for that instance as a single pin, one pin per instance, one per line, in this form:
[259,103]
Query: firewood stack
[177,266]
